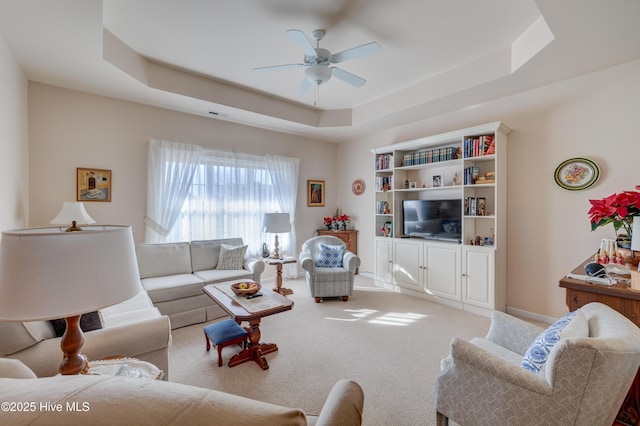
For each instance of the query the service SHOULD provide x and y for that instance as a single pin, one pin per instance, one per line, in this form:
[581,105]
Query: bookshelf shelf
[469,165]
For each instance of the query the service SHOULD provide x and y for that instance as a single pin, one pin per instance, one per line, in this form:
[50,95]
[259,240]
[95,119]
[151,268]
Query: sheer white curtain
[170,171]
[284,175]
[229,195]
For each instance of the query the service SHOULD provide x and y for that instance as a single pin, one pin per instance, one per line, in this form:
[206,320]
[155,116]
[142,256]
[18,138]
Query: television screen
[433,219]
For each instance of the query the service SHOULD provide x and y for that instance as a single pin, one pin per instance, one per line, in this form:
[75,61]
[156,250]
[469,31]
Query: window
[221,195]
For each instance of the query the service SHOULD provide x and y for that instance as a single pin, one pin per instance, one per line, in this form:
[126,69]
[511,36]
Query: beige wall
[594,116]
[71,129]
[14,170]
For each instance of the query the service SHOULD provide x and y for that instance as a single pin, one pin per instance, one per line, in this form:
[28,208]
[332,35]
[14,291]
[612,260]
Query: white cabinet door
[442,271]
[384,260]
[407,263]
[478,277]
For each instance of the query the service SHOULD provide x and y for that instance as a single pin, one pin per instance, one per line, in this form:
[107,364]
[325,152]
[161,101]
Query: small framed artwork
[93,184]
[437,181]
[315,193]
[387,230]
[413,185]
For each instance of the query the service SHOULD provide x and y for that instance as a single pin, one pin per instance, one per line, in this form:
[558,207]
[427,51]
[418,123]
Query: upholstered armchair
[329,267]
[582,379]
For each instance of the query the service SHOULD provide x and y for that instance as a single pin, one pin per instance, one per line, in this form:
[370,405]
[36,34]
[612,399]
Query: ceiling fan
[318,62]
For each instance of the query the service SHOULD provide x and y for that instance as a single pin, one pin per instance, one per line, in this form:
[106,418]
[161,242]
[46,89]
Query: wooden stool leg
[207,341]
[219,355]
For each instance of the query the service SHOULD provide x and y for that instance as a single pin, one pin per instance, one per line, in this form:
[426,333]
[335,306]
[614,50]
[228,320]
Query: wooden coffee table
[240,309]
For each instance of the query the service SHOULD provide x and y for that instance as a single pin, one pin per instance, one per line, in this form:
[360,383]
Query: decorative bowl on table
[245,288]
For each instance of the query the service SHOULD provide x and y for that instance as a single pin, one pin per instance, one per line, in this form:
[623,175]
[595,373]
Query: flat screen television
[433,219]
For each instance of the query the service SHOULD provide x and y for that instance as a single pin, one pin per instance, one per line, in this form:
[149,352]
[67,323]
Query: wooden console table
[620,297]
[623,299]
[350,238]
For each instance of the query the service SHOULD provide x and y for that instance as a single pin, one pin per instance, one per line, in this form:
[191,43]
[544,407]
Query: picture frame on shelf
[387,229]
[93,184]
[437,181]
[315,193]
[413,185]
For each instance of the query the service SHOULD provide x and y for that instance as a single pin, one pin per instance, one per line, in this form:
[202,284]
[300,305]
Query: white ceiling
[197,56]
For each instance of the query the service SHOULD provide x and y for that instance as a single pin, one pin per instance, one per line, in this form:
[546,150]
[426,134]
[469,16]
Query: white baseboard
[531,315]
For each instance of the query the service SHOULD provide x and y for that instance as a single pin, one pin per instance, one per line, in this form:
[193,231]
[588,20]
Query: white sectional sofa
[175,273]
[134,328]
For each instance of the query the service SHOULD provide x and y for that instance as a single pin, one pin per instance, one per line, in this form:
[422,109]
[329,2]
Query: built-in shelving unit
[467,165]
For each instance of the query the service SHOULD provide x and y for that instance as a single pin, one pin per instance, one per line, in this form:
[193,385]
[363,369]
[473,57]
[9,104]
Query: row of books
[478,146]
[384,161]
[384,183]
[470,175]
[475,206]
[431,156]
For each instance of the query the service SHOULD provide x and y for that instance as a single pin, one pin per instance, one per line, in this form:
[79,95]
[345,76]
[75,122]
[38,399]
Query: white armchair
[328,281]
[584,380]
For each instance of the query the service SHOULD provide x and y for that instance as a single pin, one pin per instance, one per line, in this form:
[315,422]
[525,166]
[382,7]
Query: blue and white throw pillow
[573,324]
[330,256]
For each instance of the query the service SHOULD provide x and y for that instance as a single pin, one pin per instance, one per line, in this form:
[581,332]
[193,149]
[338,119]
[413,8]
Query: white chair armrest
[466,352]
[350,261]
[307,262]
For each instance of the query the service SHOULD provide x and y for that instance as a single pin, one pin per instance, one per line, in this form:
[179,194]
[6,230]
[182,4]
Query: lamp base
[73,362]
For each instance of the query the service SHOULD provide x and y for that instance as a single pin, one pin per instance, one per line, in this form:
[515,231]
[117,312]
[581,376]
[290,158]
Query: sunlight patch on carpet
[401,319]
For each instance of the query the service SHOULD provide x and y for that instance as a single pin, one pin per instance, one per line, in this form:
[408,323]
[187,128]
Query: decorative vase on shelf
[336,226]
[328,227]
[344,226]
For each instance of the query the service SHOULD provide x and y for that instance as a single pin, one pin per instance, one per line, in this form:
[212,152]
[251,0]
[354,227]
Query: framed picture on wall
[315,193]
[93,184]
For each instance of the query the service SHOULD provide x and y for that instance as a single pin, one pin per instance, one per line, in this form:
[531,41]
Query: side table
[278,264]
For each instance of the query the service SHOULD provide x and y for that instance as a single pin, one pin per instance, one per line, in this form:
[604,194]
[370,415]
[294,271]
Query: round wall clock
[358,186]
[577,174]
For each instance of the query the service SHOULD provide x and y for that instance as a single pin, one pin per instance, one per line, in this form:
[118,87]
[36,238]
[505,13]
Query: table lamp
[70,214]
[276,223]
[47,274]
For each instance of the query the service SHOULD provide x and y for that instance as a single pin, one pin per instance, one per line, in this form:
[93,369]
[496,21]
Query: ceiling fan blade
[301,40]
[356,52]
[347,77]
[304,87]
[278,67]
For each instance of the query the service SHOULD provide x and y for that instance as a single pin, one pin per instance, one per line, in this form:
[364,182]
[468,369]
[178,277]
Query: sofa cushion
[231,257]
[205,253]
[330,256]
[173,287]
[16,336]
[573,324]
[89,321]
[158,260]
[219,275]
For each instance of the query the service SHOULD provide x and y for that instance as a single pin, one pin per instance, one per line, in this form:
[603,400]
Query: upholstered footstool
[224,333]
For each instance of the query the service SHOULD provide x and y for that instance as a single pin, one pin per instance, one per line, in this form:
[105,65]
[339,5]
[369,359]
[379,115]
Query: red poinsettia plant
[618,209]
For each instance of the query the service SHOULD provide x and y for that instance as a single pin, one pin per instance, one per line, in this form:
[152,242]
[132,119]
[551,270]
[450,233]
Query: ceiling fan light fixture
[317,74]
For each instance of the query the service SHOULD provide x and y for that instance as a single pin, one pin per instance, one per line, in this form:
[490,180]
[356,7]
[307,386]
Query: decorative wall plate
[576,174]
[358,186]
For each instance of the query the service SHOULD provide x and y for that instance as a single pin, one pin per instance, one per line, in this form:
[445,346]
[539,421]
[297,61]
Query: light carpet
[389,343]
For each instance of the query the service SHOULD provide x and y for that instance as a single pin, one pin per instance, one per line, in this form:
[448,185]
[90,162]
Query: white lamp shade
[47,274]
[635,234]
[71,211]
[276,223]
